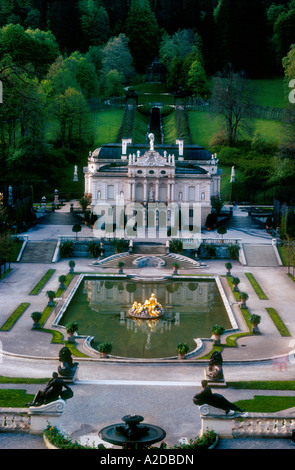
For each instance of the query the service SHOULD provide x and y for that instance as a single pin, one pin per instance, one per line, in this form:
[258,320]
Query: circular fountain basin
[149,262]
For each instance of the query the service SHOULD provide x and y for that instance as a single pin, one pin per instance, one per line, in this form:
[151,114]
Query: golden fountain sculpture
[150,309]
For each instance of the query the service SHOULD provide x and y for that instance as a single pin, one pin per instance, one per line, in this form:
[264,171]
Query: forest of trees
[57,56]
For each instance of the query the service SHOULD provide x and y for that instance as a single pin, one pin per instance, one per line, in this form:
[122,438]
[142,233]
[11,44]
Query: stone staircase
[169,259]
[260,255]
[38,252]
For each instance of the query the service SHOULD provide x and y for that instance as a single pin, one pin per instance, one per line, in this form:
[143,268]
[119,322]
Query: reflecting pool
[101,306]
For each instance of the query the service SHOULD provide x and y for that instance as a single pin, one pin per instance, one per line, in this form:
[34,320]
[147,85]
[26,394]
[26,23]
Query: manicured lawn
[204,126]
[278,321]
[266,404]
[15,398]
[39,286]
[271,92]
[105,126]
[256,286]
[140,128]
[14,316]
[169,128]
[271,131]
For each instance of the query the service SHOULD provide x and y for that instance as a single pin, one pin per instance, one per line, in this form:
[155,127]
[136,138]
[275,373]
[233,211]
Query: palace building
[182,175]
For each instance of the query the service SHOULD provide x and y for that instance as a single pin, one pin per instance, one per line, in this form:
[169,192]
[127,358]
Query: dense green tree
[113,84]
[288,63]
[284,33]
[241,36]
[178,52]
[63,20]
[94,55]
[179,45]
[178,14]
[143,32]
[116,56]
[197,80]
[74,71]
[117,12]
[70,110]
[35,47]
[59,78]
[22,125]
[94,22]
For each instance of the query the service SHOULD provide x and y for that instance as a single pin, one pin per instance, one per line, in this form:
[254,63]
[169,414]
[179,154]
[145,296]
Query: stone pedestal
[72,377]
[216,420]
[44,415]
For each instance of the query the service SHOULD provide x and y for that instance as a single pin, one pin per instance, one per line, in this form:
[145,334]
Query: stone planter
[255,328]
[181,356]
[216,339]
[71,337]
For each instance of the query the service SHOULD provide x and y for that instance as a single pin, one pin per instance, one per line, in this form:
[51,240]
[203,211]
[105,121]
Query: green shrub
[210,250]
[182,348]
[204,441]
[94,248]
[176,246]
[218,330]
[66,249]
[56,438]
[105,347]
[233,251]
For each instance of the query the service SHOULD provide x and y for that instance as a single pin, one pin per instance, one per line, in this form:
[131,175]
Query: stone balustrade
[15,420]
[32,420]
[264,425]
[258,425]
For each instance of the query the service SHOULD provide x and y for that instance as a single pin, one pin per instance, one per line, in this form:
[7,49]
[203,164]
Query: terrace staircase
[38,252]
[183,261]
[260,255]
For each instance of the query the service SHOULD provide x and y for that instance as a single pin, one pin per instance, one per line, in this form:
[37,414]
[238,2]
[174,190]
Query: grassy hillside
[105,126]
[204,126]
[273,92]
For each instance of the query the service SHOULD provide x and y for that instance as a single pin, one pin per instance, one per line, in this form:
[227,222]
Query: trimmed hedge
[39,286]
[256,286]
[14,317]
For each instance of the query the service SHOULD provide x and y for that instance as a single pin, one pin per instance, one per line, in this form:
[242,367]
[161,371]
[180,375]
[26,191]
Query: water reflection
[191,308]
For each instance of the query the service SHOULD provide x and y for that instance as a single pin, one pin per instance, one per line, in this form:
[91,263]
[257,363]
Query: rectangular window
[191,193]
[110,192]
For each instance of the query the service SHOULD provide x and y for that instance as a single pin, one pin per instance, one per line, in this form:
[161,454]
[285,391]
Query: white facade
[140,174]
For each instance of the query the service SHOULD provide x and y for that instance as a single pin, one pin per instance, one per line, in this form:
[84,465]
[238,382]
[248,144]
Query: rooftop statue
[152,139]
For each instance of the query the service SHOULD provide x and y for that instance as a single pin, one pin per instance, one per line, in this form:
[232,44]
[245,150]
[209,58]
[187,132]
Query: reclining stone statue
[52,392]
[206,396]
